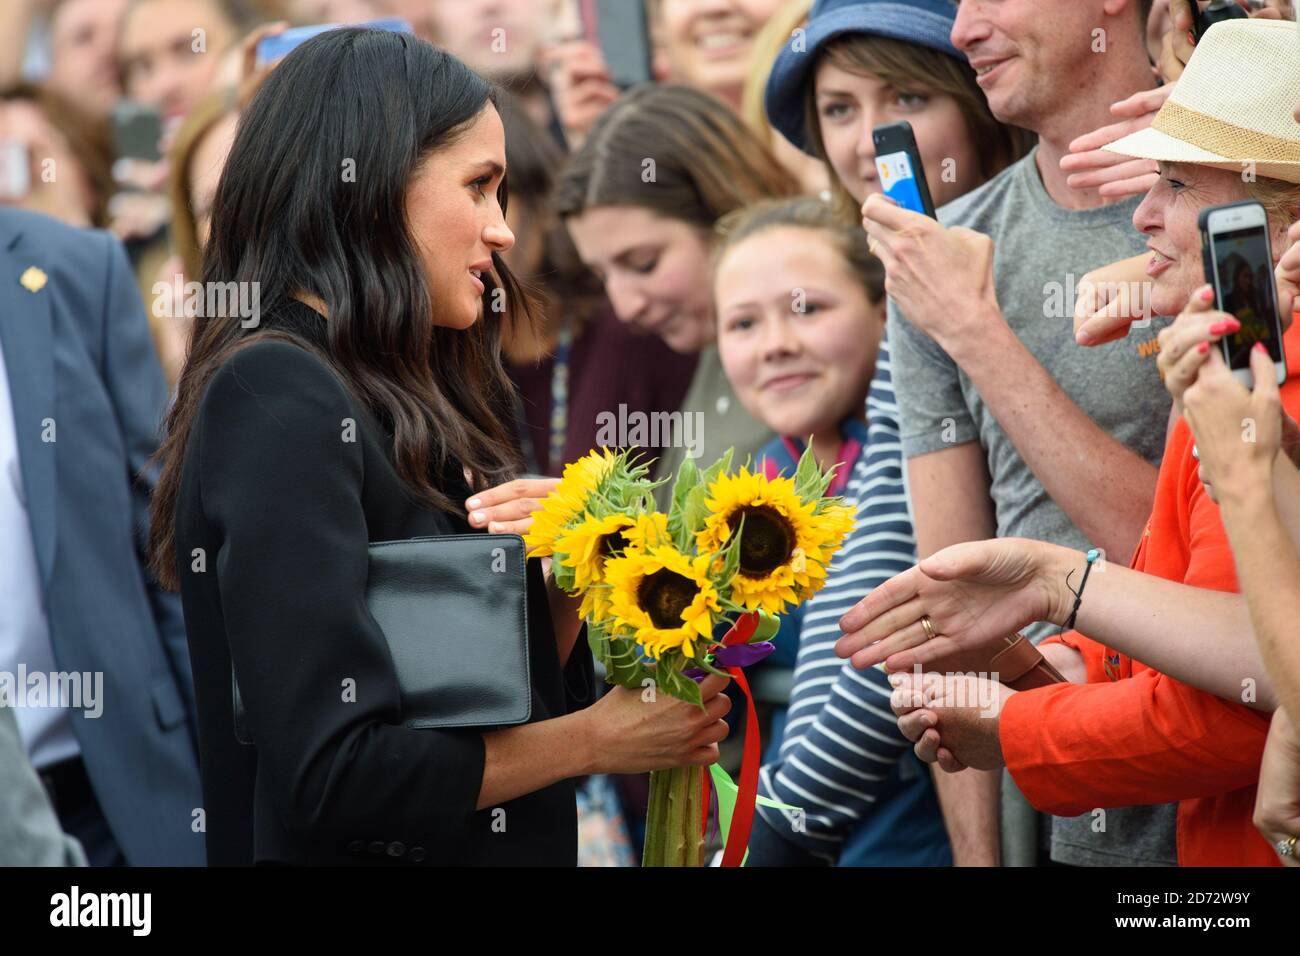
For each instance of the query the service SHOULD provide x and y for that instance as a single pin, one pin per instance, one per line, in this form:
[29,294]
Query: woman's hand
[1238,433]
[953,719]
[917,252]
[251,75]
[1112,175]
[1186,344]
[976,595]
[1277,801]
[1110,300]
[580,87]
[1178,45]
[632,731]
[508,508]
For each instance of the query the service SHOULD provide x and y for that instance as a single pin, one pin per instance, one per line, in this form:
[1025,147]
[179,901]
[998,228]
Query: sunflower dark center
[766,542]
[612,544]
[664,595]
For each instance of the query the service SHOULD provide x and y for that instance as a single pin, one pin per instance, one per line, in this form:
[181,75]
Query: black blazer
[276,509]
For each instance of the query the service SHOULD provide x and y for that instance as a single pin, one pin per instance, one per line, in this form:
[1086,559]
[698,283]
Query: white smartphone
[1238,262]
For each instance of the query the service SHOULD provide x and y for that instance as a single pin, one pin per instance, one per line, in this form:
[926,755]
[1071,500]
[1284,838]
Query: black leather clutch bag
[454,611]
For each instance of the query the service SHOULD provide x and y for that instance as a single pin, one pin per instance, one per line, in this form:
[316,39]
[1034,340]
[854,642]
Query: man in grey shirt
[1009,427]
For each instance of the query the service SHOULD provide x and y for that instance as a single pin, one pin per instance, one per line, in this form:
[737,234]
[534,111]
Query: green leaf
[695,510]
[807,470]
[625,665]
[564,575]
[707,665]
[731,607]
[670,679]
[730,560]
[688,477]
[598,641]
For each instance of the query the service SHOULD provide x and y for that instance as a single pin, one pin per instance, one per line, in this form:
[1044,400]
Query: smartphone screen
[1243,280]
[898,181]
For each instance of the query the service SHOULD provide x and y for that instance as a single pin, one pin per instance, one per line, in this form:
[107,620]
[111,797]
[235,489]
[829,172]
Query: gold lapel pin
[33,280]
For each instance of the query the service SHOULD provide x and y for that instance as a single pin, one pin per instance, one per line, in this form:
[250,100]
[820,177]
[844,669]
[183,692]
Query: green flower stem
[673,832]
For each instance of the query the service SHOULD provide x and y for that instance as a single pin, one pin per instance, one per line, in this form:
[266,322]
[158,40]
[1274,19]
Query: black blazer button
[417,854]
[377,846]
[356,846]
[396,849]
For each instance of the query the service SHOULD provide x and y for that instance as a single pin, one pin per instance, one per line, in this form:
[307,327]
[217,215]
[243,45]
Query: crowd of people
[458,241]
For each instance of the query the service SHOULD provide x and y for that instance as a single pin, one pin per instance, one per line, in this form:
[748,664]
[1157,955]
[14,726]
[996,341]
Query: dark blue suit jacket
[88,396]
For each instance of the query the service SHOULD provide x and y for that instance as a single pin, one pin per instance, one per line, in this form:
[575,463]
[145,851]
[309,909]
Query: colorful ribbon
[736,803]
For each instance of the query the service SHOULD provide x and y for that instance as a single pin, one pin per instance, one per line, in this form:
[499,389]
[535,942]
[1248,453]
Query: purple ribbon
[734,655]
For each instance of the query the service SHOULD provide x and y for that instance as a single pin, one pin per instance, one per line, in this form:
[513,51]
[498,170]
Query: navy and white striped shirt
[842,741]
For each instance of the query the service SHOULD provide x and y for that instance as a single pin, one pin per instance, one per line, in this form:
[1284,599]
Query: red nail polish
[1207,295]
[1203,347]
[1260,347]
[1233,325]
[1218,328]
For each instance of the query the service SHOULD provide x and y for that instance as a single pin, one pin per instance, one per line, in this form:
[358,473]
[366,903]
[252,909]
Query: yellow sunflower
[664,597]
[567,501]
[786,544]
[586,548]
[650,530]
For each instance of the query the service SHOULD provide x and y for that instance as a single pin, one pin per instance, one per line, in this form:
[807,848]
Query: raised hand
[975,595]
[1238,432]
[1187,343]
[1112,175]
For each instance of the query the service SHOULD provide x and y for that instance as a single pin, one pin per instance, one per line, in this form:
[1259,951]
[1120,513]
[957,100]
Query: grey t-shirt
[1041,251]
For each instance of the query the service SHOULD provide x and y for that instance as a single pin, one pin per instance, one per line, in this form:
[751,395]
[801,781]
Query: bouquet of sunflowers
[734,549]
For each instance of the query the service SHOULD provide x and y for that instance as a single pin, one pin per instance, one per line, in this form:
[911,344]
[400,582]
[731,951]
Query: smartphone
[15,170]
[1238,263]
[273,48]
[621,30]
[1216,12]
[898,164]
[137,130]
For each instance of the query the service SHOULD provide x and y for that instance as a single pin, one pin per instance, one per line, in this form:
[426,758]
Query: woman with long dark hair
[362,209]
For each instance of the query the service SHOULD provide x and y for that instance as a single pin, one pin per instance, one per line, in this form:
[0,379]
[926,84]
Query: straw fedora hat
[1233,106]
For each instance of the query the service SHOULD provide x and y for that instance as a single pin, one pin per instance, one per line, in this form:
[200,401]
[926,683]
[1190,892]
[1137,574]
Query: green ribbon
[727,792]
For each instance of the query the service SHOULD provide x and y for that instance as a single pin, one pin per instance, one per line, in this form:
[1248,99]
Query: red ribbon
[742,818]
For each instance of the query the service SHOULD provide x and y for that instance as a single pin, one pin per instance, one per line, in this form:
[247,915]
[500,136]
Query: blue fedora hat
[923,22]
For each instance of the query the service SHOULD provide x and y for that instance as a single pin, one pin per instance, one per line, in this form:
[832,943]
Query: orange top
[1132,735]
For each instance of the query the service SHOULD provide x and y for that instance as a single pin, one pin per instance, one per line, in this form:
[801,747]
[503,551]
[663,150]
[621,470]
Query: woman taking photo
[363,197]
